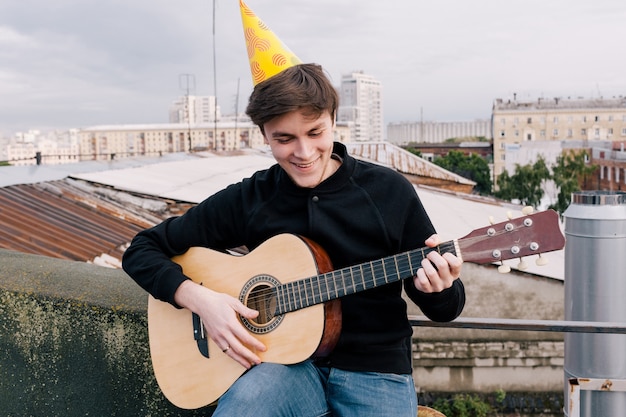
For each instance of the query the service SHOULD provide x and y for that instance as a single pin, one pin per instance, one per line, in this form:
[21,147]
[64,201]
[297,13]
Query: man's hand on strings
[438,271]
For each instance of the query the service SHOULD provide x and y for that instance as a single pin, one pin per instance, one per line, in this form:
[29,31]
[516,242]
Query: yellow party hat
[268,55]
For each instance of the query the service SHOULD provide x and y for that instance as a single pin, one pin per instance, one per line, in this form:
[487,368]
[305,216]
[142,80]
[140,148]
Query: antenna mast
[214,82]
[189,81]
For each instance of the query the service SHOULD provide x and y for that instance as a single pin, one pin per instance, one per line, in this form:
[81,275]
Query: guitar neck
[341,282]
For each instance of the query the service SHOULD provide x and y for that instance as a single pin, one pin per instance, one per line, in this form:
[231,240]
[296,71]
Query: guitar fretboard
[339,283]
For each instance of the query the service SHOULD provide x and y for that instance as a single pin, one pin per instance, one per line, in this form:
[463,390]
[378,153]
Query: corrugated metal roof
[93,218]
[191,180]
[66,220]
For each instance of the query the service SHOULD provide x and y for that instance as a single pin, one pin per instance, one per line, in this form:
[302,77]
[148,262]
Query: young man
[357,212]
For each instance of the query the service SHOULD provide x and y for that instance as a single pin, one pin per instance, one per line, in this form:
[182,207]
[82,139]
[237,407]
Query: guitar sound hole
[260,294]
[262,298]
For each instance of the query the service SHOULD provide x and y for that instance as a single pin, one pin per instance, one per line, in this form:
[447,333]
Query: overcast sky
[78,63]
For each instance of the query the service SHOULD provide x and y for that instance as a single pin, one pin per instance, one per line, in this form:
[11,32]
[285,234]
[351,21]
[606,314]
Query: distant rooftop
[91,210]
[31,174]
[558,103]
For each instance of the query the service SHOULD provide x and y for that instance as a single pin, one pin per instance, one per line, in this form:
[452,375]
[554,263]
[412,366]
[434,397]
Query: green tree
[472,167]
[568,173]
[525,185]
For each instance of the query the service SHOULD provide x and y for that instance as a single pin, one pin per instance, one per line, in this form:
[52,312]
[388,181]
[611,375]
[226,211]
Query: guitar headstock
[533,234]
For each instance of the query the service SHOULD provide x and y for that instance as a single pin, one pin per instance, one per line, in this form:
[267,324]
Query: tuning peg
[504,269]
[522,265]
[491,220]
[541,261]
[527,210]
[509,215]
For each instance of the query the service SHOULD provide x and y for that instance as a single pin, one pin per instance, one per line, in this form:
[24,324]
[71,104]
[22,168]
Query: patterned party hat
[268,55]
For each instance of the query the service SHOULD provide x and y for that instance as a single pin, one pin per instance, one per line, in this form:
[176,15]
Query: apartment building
[194,109]
[361,106]
[404,133]
[35,147]
[104,142]
[120,141]
[516,123]
[611,163]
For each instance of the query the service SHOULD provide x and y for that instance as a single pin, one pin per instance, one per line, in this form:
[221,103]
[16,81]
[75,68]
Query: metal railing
[575,384]
[526,325]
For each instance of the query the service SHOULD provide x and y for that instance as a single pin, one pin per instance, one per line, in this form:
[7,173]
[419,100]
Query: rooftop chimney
[595,290]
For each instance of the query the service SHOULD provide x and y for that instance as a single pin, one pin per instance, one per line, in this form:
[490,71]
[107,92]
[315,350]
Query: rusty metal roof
[93,218]
[66,219]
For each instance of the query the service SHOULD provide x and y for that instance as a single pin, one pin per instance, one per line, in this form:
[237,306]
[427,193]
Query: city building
[120,141]
[404,133]
[518,123]
[611,163]
[51,148]
[191,109]
[361,106]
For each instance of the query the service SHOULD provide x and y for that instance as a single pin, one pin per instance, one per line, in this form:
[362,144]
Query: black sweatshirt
[363,212]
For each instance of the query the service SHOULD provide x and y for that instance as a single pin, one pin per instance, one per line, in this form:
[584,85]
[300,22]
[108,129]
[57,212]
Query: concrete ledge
[74,342]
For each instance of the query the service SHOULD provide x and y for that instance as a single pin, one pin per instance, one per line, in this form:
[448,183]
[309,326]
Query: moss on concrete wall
[68,350]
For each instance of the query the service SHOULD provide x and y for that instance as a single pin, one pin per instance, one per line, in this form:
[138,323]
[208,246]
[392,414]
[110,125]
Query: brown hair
[301,86]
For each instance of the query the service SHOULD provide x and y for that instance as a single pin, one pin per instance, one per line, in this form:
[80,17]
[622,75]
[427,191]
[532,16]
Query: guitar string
[369,269]
[302,287]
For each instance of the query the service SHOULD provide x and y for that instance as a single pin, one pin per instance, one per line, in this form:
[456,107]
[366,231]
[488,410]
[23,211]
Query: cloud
[76,63]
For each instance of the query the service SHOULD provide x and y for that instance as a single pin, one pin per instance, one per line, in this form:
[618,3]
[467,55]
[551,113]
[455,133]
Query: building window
[583,132]
[584,119]
[529,120]
[610,118]
[596,119]
[570,133]
[624,131]
[597,133]
[555,119]
[502,133]
[542,133]
[555,132]
[516,132]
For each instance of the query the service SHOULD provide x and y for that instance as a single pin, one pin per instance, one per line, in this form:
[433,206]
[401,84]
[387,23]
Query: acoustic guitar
[290,281]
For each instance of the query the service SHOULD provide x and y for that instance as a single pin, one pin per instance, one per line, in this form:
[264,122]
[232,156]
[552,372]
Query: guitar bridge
[199,335]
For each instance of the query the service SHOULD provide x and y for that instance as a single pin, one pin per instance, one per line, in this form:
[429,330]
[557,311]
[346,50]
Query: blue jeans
[305,390]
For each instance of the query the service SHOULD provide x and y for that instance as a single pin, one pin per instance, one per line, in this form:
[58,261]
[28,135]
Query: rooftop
[90,211]
[558,103]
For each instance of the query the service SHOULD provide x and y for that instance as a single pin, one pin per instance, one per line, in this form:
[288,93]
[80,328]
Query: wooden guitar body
[190,380]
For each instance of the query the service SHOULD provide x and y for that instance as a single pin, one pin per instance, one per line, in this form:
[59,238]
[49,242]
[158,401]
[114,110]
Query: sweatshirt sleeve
[147,261]
[442,306]
[212,223]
